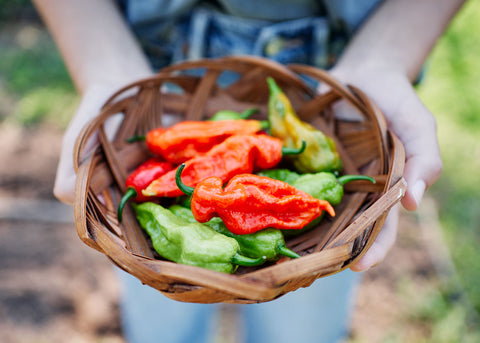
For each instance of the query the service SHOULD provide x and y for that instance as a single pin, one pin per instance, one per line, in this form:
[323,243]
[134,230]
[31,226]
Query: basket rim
[263,284]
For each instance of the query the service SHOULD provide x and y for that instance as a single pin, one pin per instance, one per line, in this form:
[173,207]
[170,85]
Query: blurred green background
[35,89]
[451,90]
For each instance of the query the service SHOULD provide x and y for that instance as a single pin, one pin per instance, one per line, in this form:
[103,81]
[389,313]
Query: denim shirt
[311,32]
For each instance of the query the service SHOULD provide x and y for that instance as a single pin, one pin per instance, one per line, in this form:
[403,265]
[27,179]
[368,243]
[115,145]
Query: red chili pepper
[188,139]
[237,154]
[250,203]
[140,178]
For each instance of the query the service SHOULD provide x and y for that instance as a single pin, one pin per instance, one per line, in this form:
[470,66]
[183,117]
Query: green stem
[247,113]
[294,151]
[273,87]
[348,178]
[233,115]
[178,180]
[283,250]
[129,194]
[134,139]
[264,124]
[247,261]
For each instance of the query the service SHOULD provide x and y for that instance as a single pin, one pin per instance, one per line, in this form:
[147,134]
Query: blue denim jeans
[319,313]
[208,33]
[308,32]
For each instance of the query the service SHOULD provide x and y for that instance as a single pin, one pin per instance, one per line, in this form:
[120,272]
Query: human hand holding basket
[365,146]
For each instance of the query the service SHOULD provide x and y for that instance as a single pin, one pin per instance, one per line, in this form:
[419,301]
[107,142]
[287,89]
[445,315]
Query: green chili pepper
[268,243]
[233,115]
[195,244]
[285,175]
[327,186]
[321,153]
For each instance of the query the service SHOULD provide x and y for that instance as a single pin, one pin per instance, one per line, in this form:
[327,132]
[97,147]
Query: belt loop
[321,36]
[198,34]
[310,33]
[265,35]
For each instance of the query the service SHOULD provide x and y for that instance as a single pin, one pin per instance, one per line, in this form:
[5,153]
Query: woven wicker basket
[178,93]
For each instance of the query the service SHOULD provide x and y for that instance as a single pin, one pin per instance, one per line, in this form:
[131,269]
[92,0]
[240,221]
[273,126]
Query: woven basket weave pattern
[175,94]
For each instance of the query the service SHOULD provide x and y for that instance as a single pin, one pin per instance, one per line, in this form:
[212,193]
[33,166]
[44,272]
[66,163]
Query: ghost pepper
[139,179]
[268,243]
[188,139]
[250,203]
[322,185]
[237,154]
[233,115]
[195,244]
[321,152]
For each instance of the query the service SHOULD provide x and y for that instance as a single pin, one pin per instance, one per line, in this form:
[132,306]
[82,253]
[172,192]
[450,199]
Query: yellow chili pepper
[320,153]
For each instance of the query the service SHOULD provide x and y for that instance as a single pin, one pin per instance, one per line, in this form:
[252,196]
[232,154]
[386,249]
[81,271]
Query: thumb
[417,129]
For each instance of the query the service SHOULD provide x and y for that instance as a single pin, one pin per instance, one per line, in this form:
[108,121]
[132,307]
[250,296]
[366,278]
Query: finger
[416,127]
[383,243]
[64,186]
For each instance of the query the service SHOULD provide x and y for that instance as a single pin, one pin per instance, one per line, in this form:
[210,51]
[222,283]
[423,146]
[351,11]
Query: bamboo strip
[365,146]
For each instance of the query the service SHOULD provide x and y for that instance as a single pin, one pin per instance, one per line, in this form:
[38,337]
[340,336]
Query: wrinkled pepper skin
[321,152]
[250,203]
[322,185]
[193,244]
[188,139]
[140,178]
[144,174]
[268,243]
[237,154]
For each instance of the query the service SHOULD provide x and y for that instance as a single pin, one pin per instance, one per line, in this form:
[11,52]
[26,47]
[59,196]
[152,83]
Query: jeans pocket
[297,41]
[214,34]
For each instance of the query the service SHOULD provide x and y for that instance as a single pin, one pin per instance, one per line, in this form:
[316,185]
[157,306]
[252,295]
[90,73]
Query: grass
[452,92]
[33,78]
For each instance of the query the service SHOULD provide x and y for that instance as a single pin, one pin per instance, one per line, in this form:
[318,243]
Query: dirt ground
[53,288]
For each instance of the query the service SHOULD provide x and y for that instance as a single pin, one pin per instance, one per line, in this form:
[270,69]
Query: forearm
[399,35]
[94,41]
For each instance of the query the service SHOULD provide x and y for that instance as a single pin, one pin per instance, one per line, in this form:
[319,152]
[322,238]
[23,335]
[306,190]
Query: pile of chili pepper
[214,194]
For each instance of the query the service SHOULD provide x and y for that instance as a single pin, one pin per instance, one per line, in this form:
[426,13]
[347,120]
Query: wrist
[362,72]
[114,80]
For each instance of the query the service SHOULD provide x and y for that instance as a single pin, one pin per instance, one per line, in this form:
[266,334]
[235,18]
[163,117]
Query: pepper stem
[247,113]
[273,87]
[134,139]
[348,178]
[129,194]
[294,151]
[247,261]
[283,250]
[178,180]
[264,124]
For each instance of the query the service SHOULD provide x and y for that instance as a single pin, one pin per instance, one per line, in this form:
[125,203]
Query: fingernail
[418,190]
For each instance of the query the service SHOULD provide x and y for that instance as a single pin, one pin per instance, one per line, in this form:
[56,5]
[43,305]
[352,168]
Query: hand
[415,126]
[91,102]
